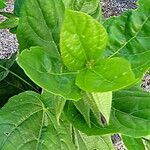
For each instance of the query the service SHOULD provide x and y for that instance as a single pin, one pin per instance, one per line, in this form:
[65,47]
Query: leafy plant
[89,70]
[2,4]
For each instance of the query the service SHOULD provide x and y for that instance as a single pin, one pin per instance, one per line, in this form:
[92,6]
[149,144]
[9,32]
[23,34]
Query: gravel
[117,7]
[146,82]
[8,41]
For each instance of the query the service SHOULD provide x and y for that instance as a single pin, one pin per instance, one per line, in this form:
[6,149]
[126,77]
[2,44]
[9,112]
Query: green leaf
[129,116]
[41,21]
[94,142]
[79,122]
[107,75]
[9,23]
[17,7]
[133,144]
[129,37]
[83,40]
[43,70]
[5,64]
[80,140]
[27,122]
[58,104]
[2,4]
[91,7]
[100,104]
[84,108]
[130,112]
[83,49]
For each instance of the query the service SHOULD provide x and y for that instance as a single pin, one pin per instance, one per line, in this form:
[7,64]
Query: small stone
[8,41]
[117,7]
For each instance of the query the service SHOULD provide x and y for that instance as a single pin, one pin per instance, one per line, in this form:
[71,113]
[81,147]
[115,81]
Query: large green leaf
[83,40]
[129,37]
[129,116]
[39,25]
[107,75]
[44,71]
[133,144]
[27,122]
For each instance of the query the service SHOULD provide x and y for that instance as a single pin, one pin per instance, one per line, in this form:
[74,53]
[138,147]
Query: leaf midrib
[130,38]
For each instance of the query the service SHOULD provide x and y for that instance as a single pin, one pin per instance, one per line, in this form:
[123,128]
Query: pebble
[117,7]
[8,41]
[146,82]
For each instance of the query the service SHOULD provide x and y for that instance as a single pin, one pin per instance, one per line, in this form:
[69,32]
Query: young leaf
[83,39]
[83,42]
[26,122]
[133,144]
[43,70]
[130,37]
[107,75]
[39,25]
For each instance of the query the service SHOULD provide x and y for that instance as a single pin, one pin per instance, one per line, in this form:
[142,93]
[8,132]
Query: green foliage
[129,116]
[129,37]
[83,50]
[33,125]
[2,4]
[85,77]
[46,72]
[133,144]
